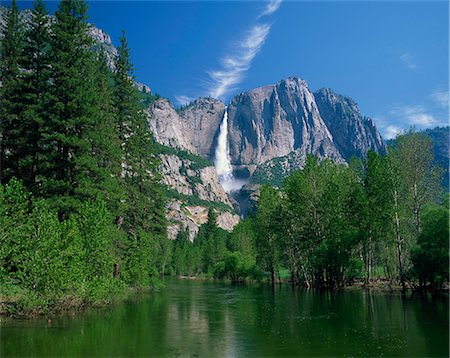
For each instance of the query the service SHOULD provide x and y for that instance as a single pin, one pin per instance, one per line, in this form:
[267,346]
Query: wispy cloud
[183,100]
[391,132]
[238,60]
[441,98]
[421,116]
[270,8]
[415,115]
[408,60]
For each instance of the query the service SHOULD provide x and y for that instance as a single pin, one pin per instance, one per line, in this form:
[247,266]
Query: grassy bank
[16,302]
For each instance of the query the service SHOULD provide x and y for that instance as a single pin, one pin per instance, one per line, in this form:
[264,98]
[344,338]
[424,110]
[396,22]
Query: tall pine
[11,52]
[34,86]
[71,134]
[144,220]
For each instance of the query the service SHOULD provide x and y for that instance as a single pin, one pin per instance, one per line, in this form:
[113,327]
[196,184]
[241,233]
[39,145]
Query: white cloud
[408,60]
[402,117]
[238,62]
[391,132]
[413,115]
[183,100]
[270,8]
[441,97]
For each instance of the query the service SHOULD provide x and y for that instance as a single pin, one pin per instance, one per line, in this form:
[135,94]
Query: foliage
[86,215]
[53,258]
[196,162]
[431,255]
[196,201]
[236,268]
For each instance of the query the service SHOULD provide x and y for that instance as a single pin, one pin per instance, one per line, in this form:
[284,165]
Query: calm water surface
[192,319]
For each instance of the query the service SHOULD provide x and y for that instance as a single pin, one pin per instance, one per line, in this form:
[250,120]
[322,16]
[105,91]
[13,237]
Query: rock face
[202,183]
[353,134]
[192,217]
[202,120]
[193,128]
[271,128]
[167,126]
[194,188]
[273,121]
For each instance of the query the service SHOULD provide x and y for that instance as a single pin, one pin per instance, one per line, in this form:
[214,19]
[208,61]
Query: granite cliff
[274,126]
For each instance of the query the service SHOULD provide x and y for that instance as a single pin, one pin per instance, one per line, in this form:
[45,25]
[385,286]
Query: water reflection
[210,319]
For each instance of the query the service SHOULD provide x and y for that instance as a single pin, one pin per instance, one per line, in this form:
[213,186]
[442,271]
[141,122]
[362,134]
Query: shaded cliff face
[353,134]
[273,121]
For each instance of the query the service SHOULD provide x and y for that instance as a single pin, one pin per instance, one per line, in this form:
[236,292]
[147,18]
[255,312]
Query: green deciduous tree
[431,255]
[267,231]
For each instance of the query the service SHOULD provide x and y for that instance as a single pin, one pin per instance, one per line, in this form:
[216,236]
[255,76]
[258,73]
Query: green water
[193,319]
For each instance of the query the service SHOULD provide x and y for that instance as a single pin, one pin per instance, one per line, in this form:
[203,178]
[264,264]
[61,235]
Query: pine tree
[144,219]
[71,136]
[145,200]
[33,87]
[11,52]
[106,139]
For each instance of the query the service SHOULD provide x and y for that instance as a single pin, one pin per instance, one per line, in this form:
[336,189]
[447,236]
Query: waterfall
[222,160]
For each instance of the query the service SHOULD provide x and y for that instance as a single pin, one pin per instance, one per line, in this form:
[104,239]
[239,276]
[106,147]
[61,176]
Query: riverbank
[16,302]
[378,284]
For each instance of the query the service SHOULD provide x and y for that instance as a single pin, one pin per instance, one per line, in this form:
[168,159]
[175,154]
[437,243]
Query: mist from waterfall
[222,159]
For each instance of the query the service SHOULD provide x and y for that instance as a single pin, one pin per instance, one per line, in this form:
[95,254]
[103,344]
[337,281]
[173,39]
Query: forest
[82,208]
[384,219]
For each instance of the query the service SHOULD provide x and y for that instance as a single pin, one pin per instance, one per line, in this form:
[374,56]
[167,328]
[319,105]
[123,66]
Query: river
[206,319]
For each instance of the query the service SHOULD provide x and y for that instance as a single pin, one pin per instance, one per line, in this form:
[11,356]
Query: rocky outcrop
[353,134]
[194,188]
[273,121]
[193,128]
[167,126]
[202,183]
[202,119]
[183,216]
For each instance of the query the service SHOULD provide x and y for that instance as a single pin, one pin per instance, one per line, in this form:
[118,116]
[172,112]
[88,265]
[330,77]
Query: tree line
[331,224]
[82,209]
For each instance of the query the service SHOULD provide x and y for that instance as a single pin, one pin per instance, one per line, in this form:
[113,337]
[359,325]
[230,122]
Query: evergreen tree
[211,242]
[70,172]
[106,141]
[144,218]
[145,204]
[11,53]
[33,88]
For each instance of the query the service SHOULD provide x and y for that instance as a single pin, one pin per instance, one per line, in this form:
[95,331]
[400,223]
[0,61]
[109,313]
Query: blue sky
[391,57]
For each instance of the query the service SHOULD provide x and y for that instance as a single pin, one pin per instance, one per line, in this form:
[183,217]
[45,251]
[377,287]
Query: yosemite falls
[222,160]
